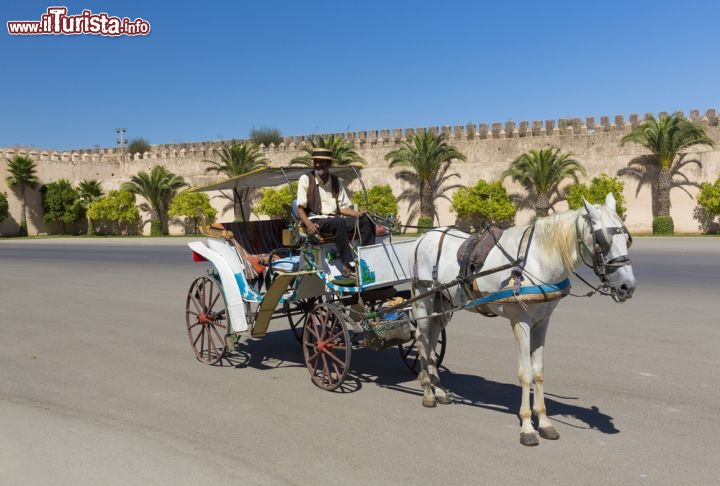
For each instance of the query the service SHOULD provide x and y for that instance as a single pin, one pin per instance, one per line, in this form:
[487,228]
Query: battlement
[488,148]
[469,133]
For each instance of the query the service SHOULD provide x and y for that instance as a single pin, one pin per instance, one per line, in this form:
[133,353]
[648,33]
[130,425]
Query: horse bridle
[601,246]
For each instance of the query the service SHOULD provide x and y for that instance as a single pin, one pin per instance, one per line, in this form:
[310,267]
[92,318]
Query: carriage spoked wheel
[207,320]
[298,314]
[409,354]
[326,346]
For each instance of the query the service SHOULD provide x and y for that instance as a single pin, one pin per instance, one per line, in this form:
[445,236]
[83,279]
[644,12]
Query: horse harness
[471,257]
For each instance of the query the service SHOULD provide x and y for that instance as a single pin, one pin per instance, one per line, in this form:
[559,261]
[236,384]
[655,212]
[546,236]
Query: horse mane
[556,234]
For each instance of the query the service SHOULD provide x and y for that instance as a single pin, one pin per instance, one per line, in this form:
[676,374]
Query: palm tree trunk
[23,217]
[237,206]
[664,183]
[427,208]
[542,205]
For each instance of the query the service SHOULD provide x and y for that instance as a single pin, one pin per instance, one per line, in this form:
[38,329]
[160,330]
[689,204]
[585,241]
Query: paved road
[99,386]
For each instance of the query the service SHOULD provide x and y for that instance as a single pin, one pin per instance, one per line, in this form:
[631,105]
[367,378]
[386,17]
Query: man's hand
[352,213]
[312,228]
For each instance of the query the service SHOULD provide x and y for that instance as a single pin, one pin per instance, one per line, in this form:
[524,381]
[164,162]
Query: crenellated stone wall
[489,149]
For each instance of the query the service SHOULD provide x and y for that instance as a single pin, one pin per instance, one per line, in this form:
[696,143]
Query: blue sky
[214,70]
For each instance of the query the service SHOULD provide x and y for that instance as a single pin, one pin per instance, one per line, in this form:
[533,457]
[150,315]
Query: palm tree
[541,172]
[22,175]
[237,159]
[90,190]
[666,138]
[158,188]
[428,158]
[343,150]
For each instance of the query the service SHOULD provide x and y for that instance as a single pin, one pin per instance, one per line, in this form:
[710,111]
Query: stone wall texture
[489,149]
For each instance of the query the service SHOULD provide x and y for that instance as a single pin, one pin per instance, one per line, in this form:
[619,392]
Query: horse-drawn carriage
[266,269]
[269,269]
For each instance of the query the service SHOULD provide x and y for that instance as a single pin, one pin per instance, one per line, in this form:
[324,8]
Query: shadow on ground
[280,349]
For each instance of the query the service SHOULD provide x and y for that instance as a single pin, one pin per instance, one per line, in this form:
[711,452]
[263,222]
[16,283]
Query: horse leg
[537,343]
[422,341]
[439,323]
[521,329]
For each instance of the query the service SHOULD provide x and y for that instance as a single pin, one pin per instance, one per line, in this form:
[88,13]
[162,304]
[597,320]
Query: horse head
[610,243]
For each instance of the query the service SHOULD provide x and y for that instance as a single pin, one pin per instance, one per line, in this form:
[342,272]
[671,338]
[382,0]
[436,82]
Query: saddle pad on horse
[471,257]
[472,253]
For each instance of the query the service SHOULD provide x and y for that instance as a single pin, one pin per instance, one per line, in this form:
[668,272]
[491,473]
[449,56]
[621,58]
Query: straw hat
[322,154]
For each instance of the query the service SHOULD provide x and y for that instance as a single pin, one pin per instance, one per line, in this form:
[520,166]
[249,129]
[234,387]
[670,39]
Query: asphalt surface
[99,386]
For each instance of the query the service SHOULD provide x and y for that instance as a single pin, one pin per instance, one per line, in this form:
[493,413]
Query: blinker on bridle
[602,244]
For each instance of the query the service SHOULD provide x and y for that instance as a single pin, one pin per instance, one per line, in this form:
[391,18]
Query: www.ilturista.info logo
[57,21]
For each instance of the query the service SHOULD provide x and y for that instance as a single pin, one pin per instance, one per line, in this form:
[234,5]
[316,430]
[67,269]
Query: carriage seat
[320,238]
[323,238]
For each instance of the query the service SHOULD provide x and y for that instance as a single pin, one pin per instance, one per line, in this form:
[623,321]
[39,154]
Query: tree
[265,136]
[109,213]
[4,206]
[187,203]
[138,146]
[708,207]
[22,175]
[596,192]
[666,138]
[343,150]
[237,159]
[380,200]
[90,190]
[272,201]
[428,158]
[541,172]
[485,203]
[61,203]
[158,188]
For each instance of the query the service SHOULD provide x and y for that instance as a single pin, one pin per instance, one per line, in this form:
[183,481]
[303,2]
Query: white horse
[561,242]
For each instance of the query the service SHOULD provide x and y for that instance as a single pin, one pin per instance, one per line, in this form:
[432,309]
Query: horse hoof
[528,439]
[443,400]
[549,433]
[429,403]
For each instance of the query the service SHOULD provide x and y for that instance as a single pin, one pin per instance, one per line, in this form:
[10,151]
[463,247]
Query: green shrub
[186,204]
[61,203]
[663,225]
[596,192]
[4,206]
[138,146]
[266,136]
[114,213]
[709,198]
[272,201]
[380,200]
[486,203]
[156,227]
[424,224]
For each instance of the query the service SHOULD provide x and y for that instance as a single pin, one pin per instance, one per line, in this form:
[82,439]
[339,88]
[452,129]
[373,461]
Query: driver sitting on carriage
[324,208]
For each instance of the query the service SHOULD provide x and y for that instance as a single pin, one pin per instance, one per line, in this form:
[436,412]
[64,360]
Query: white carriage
[261,270]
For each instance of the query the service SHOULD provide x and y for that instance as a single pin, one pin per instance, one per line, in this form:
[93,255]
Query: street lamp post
[121,140]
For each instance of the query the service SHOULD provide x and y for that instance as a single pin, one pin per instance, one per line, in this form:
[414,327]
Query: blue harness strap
[550,291]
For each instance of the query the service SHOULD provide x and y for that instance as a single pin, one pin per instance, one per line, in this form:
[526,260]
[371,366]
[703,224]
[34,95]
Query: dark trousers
[340,226]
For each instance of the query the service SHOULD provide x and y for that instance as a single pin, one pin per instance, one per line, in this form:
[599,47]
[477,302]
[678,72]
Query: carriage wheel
[207,320]
[409,354]
[298,315]
[326,346]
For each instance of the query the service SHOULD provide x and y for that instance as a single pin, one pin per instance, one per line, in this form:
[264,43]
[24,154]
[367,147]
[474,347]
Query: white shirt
[327,202]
